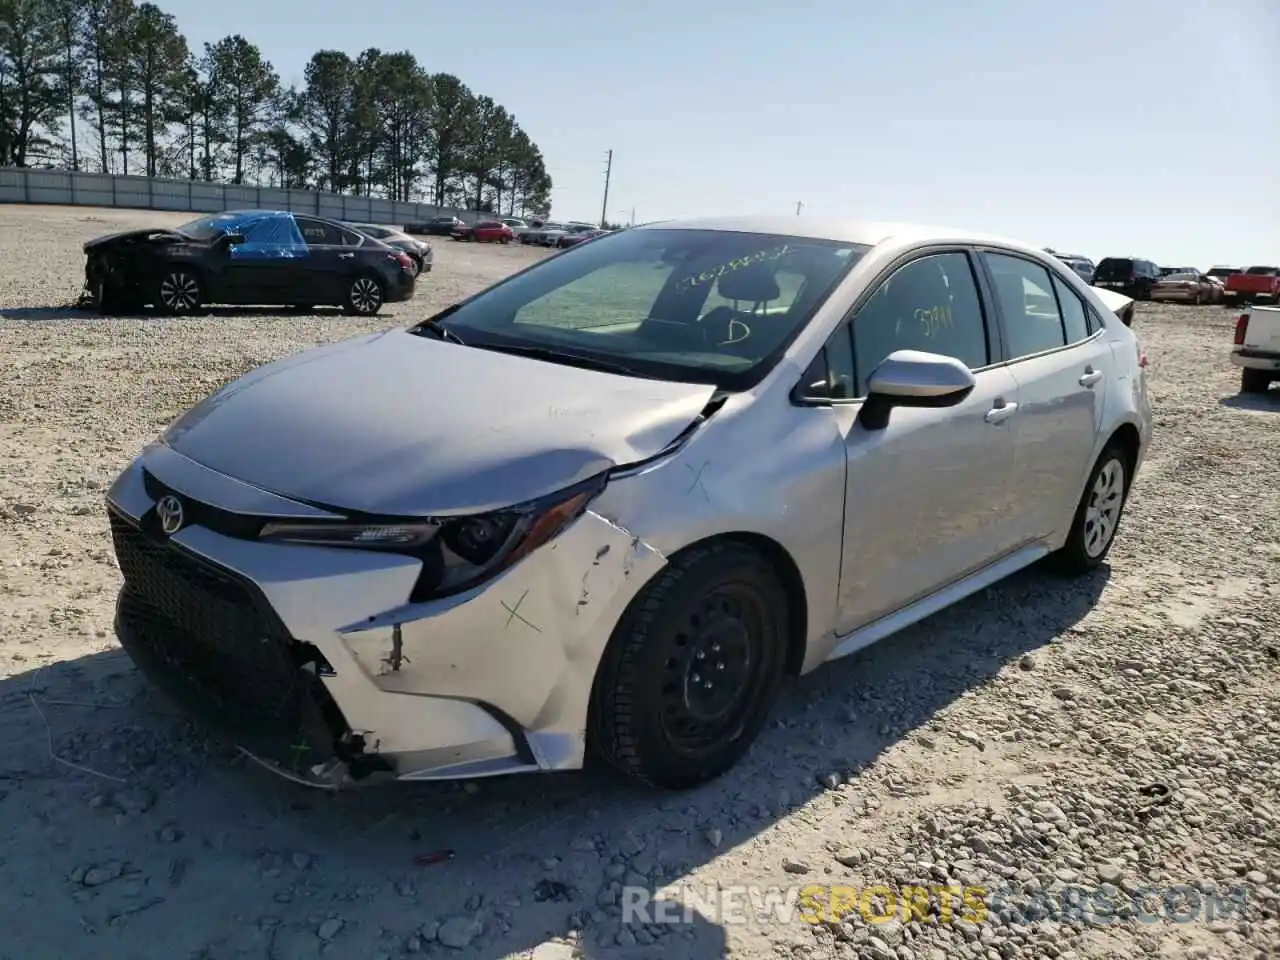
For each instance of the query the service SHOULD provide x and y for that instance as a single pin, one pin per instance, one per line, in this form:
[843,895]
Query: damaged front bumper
[313,661]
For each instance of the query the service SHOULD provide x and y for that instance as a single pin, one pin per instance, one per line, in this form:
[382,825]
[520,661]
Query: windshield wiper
[441,332]
[558,356]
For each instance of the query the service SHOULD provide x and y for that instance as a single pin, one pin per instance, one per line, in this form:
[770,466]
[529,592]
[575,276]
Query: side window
[831,375]
[1095,321]
[1072,309]
[316,233]
[929,304]
[1027,303]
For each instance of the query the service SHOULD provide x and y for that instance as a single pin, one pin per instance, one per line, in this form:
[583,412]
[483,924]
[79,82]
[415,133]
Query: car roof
[868,232]
[247,215]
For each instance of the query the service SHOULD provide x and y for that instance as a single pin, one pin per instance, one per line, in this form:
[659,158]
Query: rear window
[1221,272]
[1112,268]
[1263,271]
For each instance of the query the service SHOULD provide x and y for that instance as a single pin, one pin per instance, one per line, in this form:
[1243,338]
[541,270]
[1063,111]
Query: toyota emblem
[169,511]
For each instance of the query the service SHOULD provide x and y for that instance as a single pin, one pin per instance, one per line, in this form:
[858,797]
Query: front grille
[225,522]
[209,640]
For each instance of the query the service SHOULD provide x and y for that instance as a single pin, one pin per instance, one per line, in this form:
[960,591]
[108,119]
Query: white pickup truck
[1257,348]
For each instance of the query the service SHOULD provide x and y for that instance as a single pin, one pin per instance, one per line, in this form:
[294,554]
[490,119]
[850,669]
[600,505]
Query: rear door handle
[1000,412]
[1090,377]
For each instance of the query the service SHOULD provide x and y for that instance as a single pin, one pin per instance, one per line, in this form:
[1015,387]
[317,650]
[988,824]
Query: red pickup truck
[1255,285]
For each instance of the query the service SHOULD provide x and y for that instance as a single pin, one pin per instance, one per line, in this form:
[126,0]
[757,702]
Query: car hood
[398,424]
[159,233]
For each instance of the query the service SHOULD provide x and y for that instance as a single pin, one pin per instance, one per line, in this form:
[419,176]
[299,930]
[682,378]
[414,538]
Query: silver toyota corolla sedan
[606,506]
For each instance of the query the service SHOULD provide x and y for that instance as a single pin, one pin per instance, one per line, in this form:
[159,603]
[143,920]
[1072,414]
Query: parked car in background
[545,235]
[485,231]
[1189,286]
[1221,273]
[1083,266]
[1256,349]
[515,223]
[1255,285]
[1132,276]
[419,251]
[436,227]
[259,257]
[352,590]
[576,237]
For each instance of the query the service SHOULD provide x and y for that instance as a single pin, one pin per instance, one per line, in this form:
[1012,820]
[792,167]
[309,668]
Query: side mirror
[913,378]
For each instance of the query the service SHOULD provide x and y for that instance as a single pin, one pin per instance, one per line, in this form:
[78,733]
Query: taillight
[403,259]
[1242,326]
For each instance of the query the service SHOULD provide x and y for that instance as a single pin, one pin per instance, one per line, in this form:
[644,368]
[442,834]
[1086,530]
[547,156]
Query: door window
[831,375]
[931,304]
[1028,305]
[1072,309]
[317,233]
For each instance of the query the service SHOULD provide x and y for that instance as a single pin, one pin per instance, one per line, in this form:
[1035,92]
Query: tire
[1102,503]
[1255,381]
[721,600]
[178,291]
[364,297]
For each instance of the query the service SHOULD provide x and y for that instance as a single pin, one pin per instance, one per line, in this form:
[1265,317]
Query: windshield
[208,228]
[1113,269]
[1262,271]
[1221,272]
[1182,277]
[699,306]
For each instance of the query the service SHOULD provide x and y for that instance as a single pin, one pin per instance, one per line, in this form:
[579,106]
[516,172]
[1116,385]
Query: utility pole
[799,207]
[604,209]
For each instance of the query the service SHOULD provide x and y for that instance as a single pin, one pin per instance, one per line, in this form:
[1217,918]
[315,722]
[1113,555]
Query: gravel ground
[1114,735]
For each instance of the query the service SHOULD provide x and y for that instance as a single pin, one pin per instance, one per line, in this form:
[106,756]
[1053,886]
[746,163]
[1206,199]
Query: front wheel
[1093,530]
[178,291]
[1254,381]
[693,668]
[364,297]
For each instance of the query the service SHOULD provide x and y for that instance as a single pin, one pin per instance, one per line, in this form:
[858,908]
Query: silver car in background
[611,503]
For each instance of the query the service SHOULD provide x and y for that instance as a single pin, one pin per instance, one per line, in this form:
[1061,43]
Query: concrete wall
[19,185]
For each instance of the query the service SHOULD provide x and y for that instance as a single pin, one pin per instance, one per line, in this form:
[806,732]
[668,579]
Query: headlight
[456,552]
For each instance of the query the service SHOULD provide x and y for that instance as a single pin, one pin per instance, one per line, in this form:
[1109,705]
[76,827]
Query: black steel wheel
[693,668]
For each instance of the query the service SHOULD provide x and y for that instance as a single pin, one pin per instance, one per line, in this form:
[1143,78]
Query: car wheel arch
[779,557]
[1126,436]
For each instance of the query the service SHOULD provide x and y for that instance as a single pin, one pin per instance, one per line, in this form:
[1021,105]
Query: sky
[1099,127]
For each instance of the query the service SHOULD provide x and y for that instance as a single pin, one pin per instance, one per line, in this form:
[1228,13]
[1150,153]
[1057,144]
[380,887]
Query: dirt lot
[1009,743]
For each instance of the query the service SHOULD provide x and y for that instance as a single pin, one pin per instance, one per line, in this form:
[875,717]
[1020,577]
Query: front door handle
[1001,412]
[1090,377]
[346,256]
